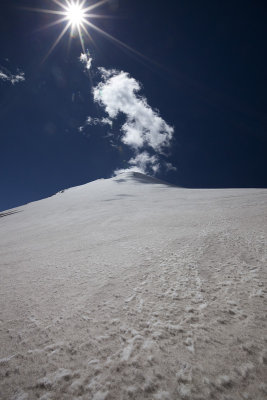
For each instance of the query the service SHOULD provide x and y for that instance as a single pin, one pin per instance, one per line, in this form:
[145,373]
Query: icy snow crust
[128,288]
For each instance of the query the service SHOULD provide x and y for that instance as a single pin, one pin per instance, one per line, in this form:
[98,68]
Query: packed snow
[130,288]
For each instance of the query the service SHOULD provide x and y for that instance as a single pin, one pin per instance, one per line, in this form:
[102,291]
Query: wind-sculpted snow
[123,290]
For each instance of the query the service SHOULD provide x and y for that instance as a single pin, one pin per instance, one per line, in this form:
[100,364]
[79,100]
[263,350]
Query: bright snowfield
[129,288]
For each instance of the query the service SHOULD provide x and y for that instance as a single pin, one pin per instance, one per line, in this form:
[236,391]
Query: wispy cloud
[144,160]
[99,121]
[170,167]
[86,60]
[96,121]
[7,76]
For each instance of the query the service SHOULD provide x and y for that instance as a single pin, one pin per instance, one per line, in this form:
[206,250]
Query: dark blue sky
[207,78]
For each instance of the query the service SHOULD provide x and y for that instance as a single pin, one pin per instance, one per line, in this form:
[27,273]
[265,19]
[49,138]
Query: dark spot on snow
[125,195]
[5,214]
[120,180]
[107,200]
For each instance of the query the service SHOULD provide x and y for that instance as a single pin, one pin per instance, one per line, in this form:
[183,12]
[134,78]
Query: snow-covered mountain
[130,288]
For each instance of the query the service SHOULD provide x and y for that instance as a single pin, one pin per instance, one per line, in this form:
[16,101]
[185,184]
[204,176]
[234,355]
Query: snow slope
[129,288]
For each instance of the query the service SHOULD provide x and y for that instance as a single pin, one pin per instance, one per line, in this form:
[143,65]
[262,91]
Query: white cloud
[170,167]
[96,121]
[143,163]
[118,93]
[131,169]
[5,75]
[17,78]
[144,129]
[99,121]
[86,60]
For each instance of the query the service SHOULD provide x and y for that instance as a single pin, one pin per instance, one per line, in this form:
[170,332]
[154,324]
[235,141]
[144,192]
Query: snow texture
[130,288]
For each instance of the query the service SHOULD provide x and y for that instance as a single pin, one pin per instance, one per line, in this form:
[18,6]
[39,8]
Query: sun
[76,15]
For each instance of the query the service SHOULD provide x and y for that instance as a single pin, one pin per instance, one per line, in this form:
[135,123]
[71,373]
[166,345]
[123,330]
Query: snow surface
[129,288]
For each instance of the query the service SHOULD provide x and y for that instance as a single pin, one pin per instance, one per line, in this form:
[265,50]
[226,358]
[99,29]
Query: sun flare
[76,15]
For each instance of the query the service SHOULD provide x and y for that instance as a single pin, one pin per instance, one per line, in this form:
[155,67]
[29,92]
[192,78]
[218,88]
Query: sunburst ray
[78,18]
[43,10]
[100,3]
[62,5]
[57,40]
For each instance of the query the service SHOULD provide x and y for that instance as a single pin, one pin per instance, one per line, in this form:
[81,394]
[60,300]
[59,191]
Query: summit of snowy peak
[126,176]
[137,177]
